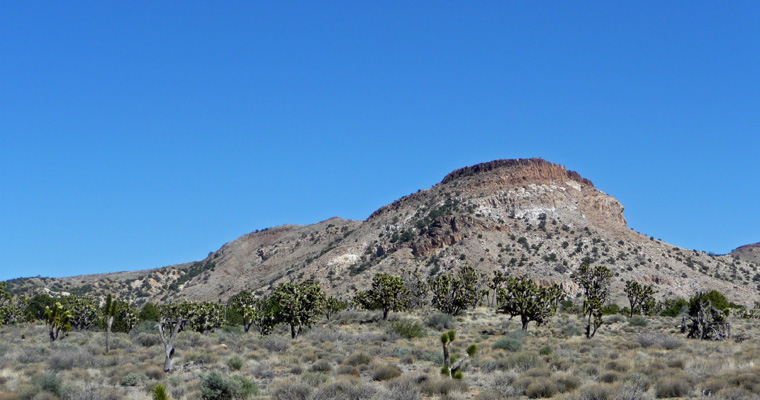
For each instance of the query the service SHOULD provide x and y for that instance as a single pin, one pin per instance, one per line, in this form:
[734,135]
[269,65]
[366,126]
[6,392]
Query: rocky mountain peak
[518,171]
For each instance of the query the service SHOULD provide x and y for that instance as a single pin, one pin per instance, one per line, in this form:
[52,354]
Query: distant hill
[526,216]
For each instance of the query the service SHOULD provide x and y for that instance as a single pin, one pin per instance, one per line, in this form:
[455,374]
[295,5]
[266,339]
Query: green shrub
[133,379]
[407,329]
[440,321]
[50,383]
[637,321]
[508,344]
[545,351]
[215,386]
[159,393]
[235,363]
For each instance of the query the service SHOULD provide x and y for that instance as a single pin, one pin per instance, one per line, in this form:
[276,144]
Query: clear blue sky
[141,134]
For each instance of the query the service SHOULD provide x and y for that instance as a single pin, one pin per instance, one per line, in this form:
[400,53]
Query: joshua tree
[640,296]
[595,283]
[254,311]
[171,321]
[298,305]
[388,293]
[110,313]
[451,365]
[453,294]
[524,298]
[59,321]
[334,305]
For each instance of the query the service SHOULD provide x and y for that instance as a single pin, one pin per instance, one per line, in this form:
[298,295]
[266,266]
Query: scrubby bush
[672,386]
[291,390]
[314,378]
[542,387]
[440,321]
[545,351]
[321,366]
[51,383]
[215,386]
[235,363]
[407,329]
[664,340]
[508,344]
[637,321]
[358,358]
[384,372]
[133,379]
[344,389]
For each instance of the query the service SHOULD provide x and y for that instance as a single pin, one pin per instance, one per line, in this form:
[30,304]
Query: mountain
[525,216]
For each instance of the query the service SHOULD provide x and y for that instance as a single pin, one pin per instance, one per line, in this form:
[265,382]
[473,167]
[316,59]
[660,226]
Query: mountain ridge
[526,216]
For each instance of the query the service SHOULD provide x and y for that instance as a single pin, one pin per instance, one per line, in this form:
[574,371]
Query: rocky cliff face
[527,217]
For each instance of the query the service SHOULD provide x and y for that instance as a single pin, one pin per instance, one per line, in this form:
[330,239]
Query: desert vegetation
[365,351]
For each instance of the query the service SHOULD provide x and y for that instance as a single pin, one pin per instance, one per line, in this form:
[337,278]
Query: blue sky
[141,134]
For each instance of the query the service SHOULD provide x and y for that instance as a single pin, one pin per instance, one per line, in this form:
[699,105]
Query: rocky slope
[527,216]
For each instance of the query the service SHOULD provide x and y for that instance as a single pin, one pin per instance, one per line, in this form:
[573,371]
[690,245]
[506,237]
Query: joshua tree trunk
[168,342]
[109,323]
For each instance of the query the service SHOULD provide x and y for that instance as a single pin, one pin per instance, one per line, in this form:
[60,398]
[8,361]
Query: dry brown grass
[349,359]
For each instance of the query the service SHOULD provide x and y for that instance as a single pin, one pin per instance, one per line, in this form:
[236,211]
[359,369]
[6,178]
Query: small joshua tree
[298,305]
[451,365]
[595,283]
[110,313]
[58,320]
[334,305]
[254,311]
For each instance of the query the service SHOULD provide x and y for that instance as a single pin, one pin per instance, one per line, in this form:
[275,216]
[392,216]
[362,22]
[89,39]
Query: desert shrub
[713,386]
[746,379]
[435,357]
[147,339]
[275,344]
[51,383]
[664,340]
[523,361]
[357,358]
[402,389]
[545,351]
[568,382]
[264,370]
[736,394]
[598,391]
[508,344]
[204,358]
[542,387]
[67,359]
[215,386]
[384,372]
[235,363]
[407,329]
[672,386]
[344,389]
[321,366]
[609,377]
[155,373]
[291,390]
[614,319]
[440,321]
[518,334]
[133,379]
[571,329]
[637,321]
[346,370]
[314,378]
[443,386]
